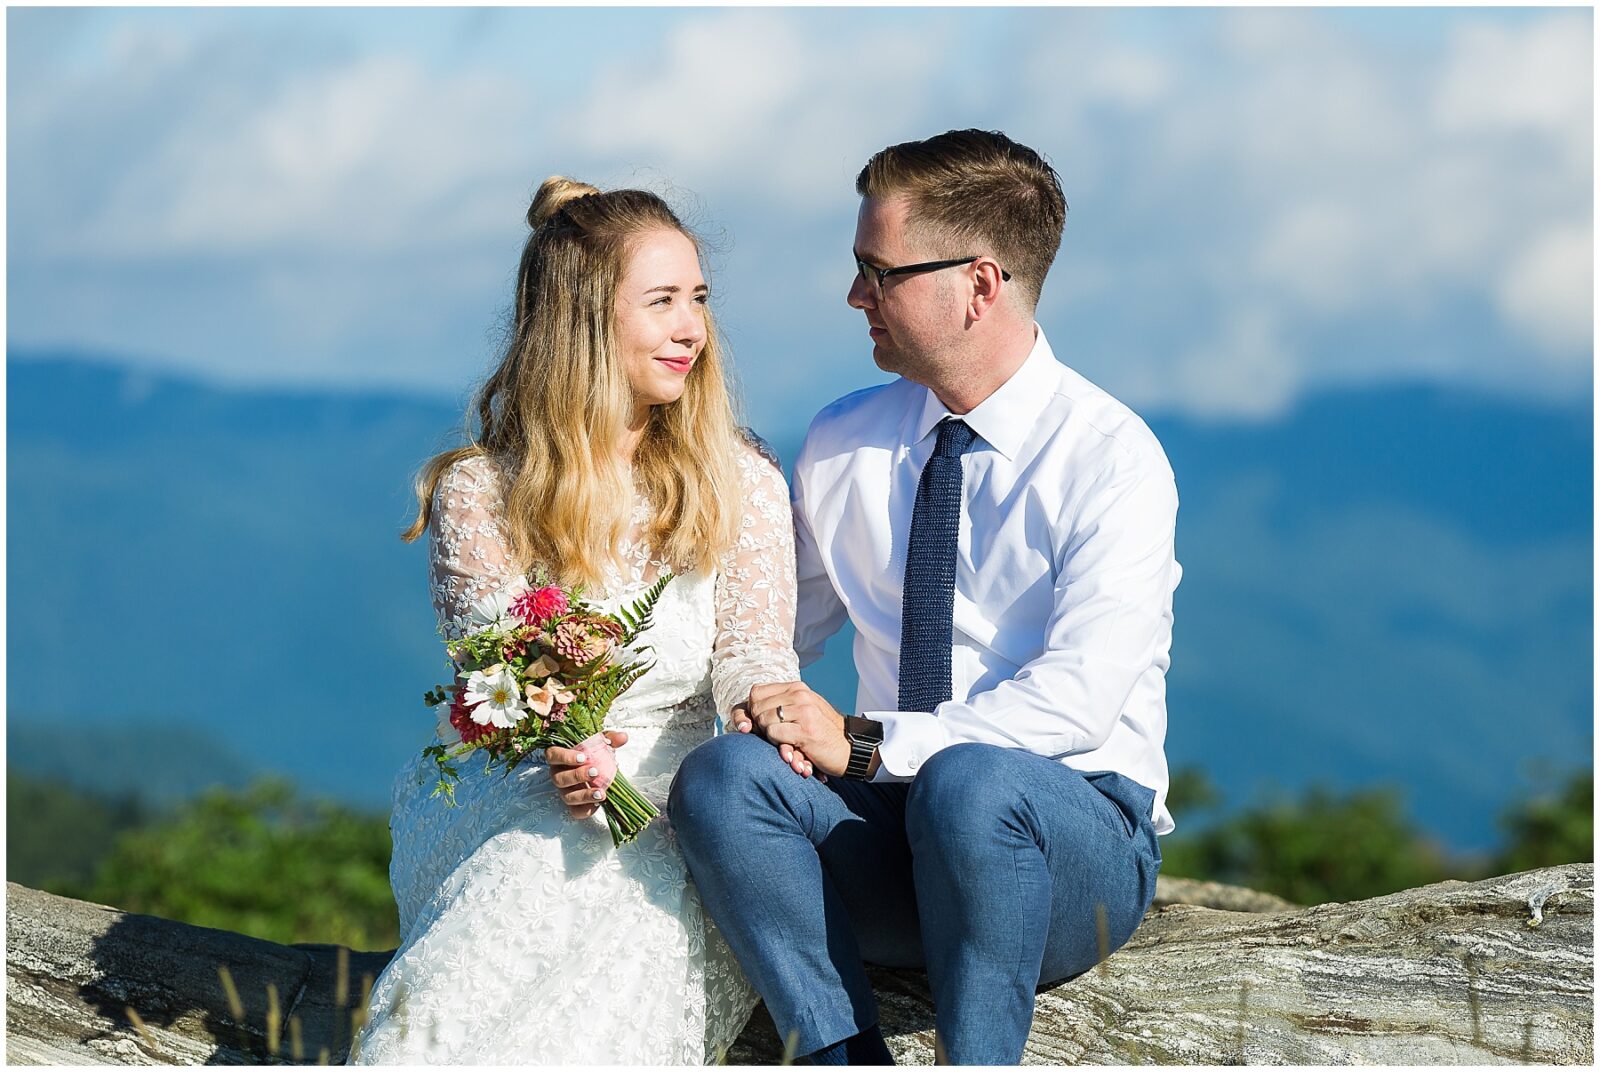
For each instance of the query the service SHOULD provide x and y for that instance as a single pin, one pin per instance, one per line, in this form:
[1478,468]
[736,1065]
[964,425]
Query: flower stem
[627,810]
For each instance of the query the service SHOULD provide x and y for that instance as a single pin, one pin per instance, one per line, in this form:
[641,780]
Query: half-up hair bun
[554,193]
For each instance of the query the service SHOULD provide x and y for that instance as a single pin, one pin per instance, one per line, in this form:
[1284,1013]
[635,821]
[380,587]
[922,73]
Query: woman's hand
[571,770]
[795,757]
[792,715]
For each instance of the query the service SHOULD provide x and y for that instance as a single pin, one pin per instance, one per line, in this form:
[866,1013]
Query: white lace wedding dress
[527,938]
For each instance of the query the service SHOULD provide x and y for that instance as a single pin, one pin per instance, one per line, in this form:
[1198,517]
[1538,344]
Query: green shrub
[262,862]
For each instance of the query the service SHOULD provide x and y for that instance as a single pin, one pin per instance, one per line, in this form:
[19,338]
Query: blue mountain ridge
[1391,585]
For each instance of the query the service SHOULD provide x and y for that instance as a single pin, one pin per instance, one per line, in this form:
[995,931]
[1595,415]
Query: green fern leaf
[641,614]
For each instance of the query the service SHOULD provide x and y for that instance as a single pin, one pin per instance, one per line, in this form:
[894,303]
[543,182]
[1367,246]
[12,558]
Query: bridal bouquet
[540,669]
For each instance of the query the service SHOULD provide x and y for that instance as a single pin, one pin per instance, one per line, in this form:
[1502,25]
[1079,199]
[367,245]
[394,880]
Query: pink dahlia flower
[540,605]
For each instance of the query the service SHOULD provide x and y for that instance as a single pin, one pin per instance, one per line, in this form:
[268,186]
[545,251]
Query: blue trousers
[989,870]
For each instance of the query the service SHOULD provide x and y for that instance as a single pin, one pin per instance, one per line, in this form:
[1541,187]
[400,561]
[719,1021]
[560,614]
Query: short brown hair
[976,188]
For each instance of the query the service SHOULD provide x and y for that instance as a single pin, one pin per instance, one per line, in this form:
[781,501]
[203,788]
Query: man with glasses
[1000,533]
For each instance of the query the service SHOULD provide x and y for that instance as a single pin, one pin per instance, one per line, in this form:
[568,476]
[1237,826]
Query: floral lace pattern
[527,938]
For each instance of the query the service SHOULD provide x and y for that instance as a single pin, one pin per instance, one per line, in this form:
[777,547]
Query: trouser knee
[724,773]
[960,796]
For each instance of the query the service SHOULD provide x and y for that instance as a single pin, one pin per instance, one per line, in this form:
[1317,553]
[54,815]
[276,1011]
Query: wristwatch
[864,736]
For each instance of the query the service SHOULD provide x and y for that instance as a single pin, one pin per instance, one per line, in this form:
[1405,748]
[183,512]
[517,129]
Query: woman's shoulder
[760,470]
[753,446]
[472,475]
[477,466]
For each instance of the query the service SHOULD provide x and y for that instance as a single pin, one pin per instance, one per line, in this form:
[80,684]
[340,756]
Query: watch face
[865,728]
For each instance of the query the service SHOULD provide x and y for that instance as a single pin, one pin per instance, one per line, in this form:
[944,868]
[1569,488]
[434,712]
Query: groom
[1000,533]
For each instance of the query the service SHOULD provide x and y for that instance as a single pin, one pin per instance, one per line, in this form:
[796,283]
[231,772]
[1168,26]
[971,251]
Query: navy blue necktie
[928,609]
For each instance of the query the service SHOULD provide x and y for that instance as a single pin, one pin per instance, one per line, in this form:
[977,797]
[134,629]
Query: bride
[608,455]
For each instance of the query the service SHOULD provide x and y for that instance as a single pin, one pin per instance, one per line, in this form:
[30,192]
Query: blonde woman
[607,454]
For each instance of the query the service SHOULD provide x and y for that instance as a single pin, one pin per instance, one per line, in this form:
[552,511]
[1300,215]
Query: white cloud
[1128,78]
[1308,184]
[1247,371]
[1548,291]
[710,88]
[1317,253]
[763,104]
[1503,78]
[1246,186]
[369,154]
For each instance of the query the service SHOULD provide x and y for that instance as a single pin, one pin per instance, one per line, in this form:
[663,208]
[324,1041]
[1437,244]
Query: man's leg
[1014,857]
[792,871]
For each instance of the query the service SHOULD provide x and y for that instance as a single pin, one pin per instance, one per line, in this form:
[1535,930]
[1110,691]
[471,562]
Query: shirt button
[912,762]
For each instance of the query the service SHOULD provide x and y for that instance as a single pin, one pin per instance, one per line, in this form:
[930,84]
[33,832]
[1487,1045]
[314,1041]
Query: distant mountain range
[1391,585]
[158,763]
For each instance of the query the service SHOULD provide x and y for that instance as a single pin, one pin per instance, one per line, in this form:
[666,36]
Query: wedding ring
[780,714]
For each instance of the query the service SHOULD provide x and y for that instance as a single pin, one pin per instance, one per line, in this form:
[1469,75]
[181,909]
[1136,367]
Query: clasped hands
[808,731]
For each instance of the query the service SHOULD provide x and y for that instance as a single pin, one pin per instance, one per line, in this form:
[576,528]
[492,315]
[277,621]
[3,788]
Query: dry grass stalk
[274,1020]
[138,1024]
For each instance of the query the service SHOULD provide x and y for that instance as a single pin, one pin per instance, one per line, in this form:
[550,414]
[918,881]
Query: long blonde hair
[553,413]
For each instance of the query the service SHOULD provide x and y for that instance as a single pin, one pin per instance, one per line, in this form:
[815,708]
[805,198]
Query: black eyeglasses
[875,276]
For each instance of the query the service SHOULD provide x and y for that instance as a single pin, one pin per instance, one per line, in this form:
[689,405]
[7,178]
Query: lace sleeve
[755,587]
[468,557]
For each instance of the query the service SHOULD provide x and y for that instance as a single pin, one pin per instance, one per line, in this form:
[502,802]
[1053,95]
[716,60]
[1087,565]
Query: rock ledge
[1499,971]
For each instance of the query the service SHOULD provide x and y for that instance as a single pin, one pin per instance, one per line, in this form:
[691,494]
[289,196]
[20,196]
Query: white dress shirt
[1064,569]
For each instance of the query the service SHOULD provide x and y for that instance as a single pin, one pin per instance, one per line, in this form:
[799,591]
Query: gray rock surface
[73,969]
[1492,972]
[1189,891]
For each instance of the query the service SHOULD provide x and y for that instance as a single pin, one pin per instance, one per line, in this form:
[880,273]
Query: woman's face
[661,316]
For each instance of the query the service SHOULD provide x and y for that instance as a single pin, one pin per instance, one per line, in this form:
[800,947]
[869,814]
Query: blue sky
[1263,202]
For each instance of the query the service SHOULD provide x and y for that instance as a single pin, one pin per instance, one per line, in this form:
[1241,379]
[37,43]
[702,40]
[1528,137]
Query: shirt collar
[1005,418]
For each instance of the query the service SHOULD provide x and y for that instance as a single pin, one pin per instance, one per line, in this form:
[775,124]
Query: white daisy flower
[494,698]
[493,611]
[448,734]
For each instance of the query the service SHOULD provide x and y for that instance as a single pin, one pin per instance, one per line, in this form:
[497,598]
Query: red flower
[540,605]
[461,719]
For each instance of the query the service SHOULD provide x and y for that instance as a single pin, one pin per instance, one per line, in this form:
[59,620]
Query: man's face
[912,318]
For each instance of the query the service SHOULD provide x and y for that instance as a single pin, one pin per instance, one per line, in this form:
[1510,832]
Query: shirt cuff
[909,738]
